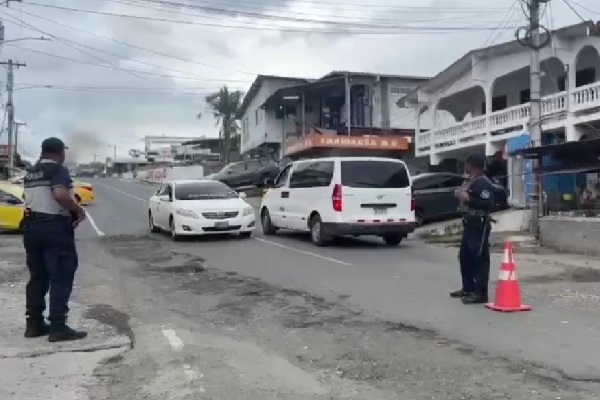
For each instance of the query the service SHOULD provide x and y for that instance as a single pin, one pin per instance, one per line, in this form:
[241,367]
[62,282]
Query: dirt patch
[108,315]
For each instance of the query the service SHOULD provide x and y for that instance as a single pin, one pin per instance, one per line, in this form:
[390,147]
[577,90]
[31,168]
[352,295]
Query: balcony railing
[509,122]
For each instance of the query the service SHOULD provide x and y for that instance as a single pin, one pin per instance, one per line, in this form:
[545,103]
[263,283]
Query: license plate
[221,224]
[380,211]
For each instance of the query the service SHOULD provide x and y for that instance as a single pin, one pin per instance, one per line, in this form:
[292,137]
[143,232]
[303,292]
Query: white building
[298,107]
[482,100]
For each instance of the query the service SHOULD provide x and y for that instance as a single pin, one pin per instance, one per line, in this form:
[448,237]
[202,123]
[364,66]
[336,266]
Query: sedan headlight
[187,213]
[248,211]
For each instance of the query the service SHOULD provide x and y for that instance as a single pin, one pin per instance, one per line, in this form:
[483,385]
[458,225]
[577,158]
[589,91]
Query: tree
[224,105]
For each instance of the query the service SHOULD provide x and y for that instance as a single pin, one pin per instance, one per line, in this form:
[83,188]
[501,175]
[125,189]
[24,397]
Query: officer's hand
[464,195]
[80,216]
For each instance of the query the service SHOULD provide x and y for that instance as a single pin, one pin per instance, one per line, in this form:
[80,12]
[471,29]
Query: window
[374,174]
[452,182]
[525,96]
[312,174]
[8,198]
[282,178]
[203,191]
[585,77]
[400,91]
[499,103]
[252,165]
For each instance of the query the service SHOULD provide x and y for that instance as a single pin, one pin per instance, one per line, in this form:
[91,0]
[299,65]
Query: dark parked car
[247,173]
[435,198]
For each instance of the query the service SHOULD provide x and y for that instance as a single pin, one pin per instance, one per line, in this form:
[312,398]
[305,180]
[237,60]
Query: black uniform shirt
[481,194]
[38,183]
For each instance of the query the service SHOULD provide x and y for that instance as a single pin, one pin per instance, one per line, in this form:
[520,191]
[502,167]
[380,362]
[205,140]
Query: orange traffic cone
[508,292]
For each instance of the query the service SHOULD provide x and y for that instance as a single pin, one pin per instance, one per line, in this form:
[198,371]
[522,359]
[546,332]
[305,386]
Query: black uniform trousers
[52,261]
[474,255]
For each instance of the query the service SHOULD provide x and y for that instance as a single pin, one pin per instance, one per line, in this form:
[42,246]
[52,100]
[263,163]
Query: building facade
[482,101]
[282,109]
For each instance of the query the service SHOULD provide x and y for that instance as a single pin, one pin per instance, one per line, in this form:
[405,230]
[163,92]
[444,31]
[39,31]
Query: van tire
[267,226]
[392,240]
[317,234]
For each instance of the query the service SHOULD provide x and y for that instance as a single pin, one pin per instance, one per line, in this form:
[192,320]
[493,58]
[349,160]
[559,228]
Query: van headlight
[187,213]
[248,211]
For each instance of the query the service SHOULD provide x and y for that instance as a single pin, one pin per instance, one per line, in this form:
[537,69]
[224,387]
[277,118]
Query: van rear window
[374,174]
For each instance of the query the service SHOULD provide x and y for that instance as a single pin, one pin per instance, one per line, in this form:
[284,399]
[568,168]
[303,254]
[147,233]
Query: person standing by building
[477,201]
[49,240]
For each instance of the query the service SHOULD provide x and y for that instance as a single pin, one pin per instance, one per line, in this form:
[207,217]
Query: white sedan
[200,207]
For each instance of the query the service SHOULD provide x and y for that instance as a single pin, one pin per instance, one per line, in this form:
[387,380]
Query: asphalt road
[288,320]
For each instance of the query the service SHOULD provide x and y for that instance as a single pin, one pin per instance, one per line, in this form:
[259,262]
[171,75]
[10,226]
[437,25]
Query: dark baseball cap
[53,145]
[476,160]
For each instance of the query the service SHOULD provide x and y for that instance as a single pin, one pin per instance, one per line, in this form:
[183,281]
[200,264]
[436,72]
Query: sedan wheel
[174,234]
[153,227]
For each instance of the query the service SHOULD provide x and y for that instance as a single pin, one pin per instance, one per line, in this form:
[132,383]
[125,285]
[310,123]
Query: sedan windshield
[203,191]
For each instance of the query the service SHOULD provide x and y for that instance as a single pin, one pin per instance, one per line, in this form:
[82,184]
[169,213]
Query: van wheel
[317,235]
[267,226]
[419,217]
[392,240]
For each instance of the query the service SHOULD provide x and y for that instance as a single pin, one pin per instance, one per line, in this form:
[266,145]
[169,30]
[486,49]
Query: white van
[338,196]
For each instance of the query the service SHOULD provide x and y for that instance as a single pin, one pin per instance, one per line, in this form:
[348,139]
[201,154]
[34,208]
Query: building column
[572,133]
[417,109]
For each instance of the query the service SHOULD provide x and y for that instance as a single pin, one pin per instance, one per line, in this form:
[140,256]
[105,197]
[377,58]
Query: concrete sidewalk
[33,369]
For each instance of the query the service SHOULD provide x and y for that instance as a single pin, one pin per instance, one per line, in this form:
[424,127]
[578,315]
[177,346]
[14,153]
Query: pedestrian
[476,201]
[49,239]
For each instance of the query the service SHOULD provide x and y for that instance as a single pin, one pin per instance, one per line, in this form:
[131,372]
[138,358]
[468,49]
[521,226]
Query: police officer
[49,239]
[476,201]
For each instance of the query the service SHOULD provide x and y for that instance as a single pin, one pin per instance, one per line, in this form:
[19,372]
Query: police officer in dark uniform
[476,201]
[49,239]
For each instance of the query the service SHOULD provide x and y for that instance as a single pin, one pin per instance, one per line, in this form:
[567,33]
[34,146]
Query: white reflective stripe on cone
[507,275]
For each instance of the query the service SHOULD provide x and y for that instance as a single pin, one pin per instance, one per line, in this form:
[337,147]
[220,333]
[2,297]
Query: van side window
[312,174]
[283,176]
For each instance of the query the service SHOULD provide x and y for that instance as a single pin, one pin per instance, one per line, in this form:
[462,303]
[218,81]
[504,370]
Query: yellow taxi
[83,192]
[12,206]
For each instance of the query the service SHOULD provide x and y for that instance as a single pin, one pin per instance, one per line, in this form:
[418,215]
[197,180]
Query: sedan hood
[212,204]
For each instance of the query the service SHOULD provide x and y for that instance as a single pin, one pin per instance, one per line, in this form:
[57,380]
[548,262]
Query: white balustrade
[587,96]
[517,117]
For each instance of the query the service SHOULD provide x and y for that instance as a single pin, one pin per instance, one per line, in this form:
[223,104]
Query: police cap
[53,145]
[476,160]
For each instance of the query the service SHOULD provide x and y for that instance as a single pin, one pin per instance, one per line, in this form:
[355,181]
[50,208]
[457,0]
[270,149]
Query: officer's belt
[38,216]
[476,213]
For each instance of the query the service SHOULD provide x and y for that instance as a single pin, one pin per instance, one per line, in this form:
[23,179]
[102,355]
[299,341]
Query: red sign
[4,152]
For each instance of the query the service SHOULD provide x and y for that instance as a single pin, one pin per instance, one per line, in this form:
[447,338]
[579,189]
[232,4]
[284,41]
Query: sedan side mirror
[242,195]
[270,182]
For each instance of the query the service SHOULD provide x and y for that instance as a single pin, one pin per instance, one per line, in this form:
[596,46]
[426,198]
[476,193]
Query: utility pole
[532,39]
[10,109]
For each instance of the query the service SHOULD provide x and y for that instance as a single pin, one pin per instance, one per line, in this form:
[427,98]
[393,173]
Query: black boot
[64,333]
[459,294]
[475,299]
[36,327]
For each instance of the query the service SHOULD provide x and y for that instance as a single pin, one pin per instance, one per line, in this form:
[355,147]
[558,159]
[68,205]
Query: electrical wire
[135,46]
[568,3]
[406,30]
[584,7]
[237,12]
[73,44]
[118,68]
[120,90]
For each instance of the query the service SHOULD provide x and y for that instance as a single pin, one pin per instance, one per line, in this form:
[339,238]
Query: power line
[405,30]
[585,8]
[74,45]
[169,4]
[568,3]
[135,46]
[121,69]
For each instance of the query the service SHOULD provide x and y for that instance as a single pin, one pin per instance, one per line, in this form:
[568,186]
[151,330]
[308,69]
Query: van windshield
[374,174]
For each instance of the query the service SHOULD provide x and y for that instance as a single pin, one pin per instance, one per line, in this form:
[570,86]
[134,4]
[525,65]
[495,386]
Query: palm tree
[224,105]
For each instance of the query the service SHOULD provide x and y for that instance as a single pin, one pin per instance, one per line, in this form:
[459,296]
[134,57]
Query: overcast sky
[156,73]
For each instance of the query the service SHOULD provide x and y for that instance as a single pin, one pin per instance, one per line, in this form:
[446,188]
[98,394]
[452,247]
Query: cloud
[169,92]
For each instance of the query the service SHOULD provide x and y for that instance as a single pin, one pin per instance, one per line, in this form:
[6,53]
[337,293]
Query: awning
[320,87]
[567,148]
